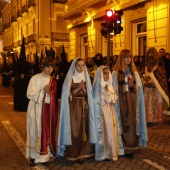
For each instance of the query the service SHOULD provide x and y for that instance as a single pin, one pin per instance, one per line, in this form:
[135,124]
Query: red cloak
[49,121]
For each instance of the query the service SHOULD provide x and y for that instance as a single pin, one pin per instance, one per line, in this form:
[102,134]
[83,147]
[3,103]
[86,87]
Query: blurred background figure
[98,61]
[5,74]
[36,65]
[166,62]
[62,71]
[155,88]
[13,68]
[141,67]
[136,61]
[168,56]
[113,62]
[21,81]
[89,64]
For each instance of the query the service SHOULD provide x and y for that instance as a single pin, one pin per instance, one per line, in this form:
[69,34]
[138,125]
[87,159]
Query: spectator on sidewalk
[42,115]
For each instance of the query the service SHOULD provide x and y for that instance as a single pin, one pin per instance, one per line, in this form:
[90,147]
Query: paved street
[13,137]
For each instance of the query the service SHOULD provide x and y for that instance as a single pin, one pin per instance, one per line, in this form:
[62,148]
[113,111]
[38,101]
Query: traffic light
[104,29]
[109,15]
[112,23]
[117,21]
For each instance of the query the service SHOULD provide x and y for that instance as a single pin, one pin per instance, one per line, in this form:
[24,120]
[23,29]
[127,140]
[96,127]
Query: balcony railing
[31,3]
[61,37]
[19,14]
[7,25]
[32,38]
[24,9]
[18,43]
[1,31]
[14,44]
[60,1]
[6,48]
[14,19]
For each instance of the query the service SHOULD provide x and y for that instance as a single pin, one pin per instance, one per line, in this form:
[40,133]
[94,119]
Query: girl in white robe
[104,98]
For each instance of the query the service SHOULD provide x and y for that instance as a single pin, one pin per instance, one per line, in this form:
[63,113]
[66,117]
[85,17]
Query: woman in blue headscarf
[77,124]
[130,107]
[109,143]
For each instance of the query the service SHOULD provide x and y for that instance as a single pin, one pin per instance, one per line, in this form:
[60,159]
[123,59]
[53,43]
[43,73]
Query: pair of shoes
[156,124]
[32,162]
[106,160]
[80,161]
[129,156]
[44,163]
[168,108]
[150,124]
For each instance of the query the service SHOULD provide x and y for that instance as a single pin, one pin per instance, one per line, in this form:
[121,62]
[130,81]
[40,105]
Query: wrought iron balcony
[61,37]
[4,27]
[7,25]
[1,32]
[14,19]
[32,38]
[18,43]
[6,48]
[31,3]
[60,1]
[14,44]
[24,9]
[19,14]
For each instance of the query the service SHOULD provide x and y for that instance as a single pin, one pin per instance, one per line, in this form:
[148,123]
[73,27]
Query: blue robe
[141,128]
[64,134]
[100,148]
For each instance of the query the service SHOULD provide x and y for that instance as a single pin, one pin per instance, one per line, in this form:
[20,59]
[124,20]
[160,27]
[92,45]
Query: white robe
[109,126]
[36,93]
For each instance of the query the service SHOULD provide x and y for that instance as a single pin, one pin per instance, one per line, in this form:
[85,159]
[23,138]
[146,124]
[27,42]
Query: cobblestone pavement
[13,137]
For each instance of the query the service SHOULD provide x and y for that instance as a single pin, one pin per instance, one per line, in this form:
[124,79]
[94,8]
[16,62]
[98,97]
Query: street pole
[108,50]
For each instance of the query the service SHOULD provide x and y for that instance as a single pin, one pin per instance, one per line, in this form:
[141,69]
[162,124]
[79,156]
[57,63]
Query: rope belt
[85,105]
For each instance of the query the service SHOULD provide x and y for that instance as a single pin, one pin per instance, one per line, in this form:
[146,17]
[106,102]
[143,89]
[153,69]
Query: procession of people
[104,110]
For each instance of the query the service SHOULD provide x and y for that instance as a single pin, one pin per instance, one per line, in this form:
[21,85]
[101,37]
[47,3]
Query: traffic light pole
[108,50]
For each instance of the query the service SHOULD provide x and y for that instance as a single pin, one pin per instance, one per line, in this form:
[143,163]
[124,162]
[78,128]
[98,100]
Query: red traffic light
[109,13]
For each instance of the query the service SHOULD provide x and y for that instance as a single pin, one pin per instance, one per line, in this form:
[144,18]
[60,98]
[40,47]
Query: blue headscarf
[99,117]
[141,128]
[64,134]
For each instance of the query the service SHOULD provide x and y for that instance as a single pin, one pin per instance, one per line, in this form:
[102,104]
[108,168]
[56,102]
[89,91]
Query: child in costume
[104,97]
[42,115]
[77,126]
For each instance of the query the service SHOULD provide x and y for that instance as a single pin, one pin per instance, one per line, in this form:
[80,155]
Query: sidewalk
[13,137]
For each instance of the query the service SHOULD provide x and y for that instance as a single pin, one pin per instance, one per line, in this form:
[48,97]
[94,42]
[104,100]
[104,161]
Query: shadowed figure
[21,81]
[62,71]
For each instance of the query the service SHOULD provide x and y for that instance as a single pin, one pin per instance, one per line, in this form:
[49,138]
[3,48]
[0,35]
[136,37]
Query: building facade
[145,24]
[76,24]
[40,22]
